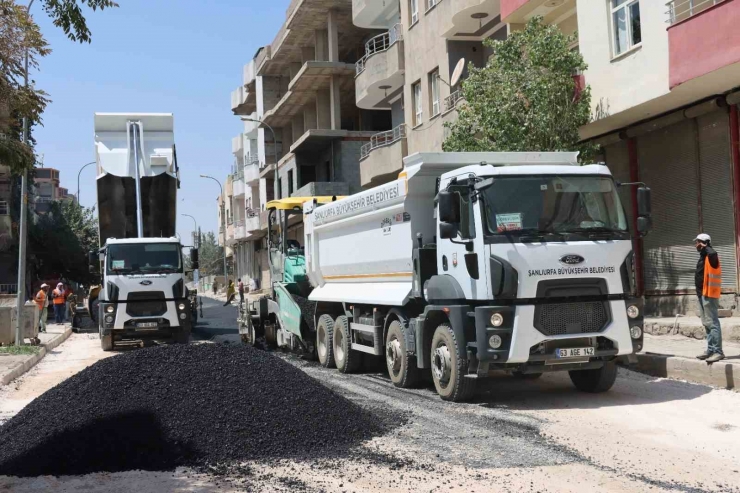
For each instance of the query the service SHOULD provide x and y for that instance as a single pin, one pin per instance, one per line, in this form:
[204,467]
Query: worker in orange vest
[59,301]
[708,280]
[41,303]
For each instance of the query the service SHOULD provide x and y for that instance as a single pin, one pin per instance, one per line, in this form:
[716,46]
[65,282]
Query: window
[3,208]
[414,11]
[626,25]
[434,92]
[280,188]
[290,183]
[418,108]
[432,3]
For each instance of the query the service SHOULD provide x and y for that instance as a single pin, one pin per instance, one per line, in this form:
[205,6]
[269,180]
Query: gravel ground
[646,434]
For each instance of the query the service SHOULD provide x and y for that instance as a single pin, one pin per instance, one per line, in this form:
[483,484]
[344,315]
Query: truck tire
[325,341]
[347,359]
[182,336]
[401,365]
[450,365]
[106,342]
[595,381]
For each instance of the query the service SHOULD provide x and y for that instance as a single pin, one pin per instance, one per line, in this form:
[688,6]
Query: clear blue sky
[170,56]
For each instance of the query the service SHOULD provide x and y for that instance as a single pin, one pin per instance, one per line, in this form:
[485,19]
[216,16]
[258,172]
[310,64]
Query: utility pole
[78,181]
[20,302]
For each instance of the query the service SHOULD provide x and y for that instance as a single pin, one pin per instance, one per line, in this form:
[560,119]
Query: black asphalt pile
[182,405]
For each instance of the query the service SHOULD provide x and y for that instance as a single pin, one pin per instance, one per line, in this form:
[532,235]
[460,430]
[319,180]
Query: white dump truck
[466,264]
[142,295]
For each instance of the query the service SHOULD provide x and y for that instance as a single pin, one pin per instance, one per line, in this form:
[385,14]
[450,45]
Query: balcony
[380,72]
[252,222]
[372,14]
[521,11]
[704,42]
[252,172]
[240,231]
[323,189]
[237,145]
[473,20]
[381,159]
[237,183]
[452,100]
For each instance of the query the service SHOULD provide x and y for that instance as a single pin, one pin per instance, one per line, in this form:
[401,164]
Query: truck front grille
[571,318]
[146,304]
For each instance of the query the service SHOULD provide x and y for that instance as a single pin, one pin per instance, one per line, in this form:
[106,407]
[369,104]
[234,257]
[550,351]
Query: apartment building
[406,70]
[48,189]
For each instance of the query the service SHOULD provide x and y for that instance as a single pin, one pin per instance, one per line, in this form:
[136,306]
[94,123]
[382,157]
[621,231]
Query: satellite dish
[457,73]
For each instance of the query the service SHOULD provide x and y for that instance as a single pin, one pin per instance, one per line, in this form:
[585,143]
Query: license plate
[146,325]
[575,352]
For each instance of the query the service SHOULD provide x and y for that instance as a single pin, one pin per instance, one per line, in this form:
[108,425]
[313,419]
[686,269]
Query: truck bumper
[123,326]
[521,342]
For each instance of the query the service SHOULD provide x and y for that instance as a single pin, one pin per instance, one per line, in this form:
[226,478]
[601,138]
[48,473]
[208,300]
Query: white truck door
[451,255]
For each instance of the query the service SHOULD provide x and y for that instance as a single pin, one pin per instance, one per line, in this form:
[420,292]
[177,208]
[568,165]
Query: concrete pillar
[297,126]
[323,109]
[335,103]
[309,117]
[322,44]
[287,137]
[308,54]
[333,36]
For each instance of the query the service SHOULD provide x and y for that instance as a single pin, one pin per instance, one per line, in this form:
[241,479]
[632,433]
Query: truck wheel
[182,337]
[325,341]
[401,366]
[449,366]
[595,381]
[106,342]
[347,359]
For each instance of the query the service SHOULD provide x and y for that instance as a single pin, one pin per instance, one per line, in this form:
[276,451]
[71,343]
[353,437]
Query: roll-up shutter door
[716,191]
[618,161]
[668,165]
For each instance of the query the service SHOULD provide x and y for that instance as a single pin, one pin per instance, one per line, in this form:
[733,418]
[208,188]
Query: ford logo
[146,283]
[571,259]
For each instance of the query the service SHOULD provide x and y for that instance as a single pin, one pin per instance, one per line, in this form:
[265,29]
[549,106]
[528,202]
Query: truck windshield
[579,206]
[144,258]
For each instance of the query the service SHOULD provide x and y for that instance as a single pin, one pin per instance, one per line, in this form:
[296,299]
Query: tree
[211,256]
[19,35]
[526,98]
[61,239]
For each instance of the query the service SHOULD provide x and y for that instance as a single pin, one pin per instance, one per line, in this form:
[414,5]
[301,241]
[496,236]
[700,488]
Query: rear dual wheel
[347,359]
[325,341]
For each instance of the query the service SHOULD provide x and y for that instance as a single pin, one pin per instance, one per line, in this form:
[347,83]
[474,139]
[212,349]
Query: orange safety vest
[712,280]
[41,299]
[58,297]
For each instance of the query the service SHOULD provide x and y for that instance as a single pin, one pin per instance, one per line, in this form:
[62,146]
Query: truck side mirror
[194,263]
[447,231]
[449,207]
[644,203]
[644,225]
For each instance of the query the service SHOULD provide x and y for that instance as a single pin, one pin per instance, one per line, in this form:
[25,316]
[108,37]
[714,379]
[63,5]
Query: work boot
[703,356]
[715,357]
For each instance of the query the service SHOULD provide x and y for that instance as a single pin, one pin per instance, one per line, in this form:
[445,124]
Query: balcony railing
[383,139]
[379,43]
[452,99]
[8,289]
[3,208]
[679,10]
[238,174]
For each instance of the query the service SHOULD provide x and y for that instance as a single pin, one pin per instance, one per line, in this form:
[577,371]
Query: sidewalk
[690,326]
[12,366]
[674,356]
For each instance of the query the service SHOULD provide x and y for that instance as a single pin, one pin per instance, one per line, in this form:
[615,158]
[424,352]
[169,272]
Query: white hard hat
[703,237]
[44,285]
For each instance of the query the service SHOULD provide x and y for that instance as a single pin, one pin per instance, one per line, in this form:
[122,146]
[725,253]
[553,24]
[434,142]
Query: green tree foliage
[211,256]
[18,34]
[60,240]
[525,98]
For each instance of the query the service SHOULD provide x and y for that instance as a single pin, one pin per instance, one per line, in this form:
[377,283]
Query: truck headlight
[635,332]
[181,306]
[495,341]
[183,316]
[633,311]
[497,320]
[110,308]
[109,319]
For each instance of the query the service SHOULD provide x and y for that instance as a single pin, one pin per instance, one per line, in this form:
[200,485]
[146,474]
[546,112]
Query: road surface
[645,435]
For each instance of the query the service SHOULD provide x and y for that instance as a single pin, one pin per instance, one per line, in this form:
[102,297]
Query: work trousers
[709,312]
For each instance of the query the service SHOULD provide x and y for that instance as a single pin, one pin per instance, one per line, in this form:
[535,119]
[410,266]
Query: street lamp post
[78,180]
[195,231]
[20,301]
[274,147]
[223,218]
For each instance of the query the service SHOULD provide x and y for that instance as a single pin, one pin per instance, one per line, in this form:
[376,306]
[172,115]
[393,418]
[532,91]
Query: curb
[723,374]
[33,359]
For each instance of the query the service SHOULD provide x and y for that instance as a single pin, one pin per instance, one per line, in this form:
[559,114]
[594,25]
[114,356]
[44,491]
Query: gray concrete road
[646,434]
